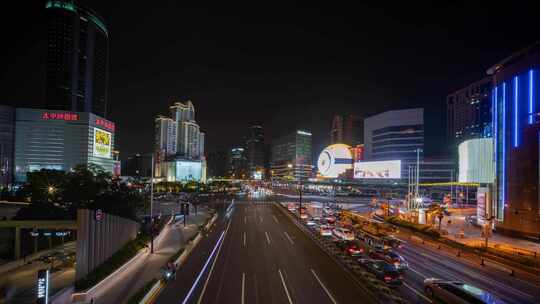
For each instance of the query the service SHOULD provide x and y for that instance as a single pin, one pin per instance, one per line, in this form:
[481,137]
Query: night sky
[283,67]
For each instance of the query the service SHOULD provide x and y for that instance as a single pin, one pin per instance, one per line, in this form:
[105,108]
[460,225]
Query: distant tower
[77,65]
[255,149]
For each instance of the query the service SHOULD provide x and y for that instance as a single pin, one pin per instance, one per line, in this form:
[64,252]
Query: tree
[84,183]
[44,185]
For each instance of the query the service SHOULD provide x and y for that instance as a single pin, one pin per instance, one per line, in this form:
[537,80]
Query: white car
[310,223]
[343,234]
[325,230]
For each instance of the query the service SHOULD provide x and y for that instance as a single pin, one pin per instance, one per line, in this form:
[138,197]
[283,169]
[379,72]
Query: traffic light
[184,208]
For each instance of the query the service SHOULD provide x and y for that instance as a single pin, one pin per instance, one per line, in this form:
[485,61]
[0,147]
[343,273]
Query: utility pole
[152,206]
[417,171]
[300,202]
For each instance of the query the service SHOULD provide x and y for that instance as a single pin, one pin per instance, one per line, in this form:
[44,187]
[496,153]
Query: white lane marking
[244,239]
[211,268]
[275,219]
[324,287]
[260,217]
[218,243]
[285,287]
[267,237]
[290,240]
[417,292]
[476,274]
[243,286]
[417,272]
[245,220]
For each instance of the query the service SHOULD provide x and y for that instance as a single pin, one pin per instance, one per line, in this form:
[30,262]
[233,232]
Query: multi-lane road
[254,254]
[427,260]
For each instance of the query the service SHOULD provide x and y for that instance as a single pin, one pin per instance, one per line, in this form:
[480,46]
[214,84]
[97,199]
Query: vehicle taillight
[387,278]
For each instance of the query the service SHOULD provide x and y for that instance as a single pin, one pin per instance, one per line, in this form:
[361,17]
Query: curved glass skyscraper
[77,58]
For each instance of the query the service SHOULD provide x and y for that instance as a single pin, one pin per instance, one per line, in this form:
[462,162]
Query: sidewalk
[19,285]
[147,267]
[473,236]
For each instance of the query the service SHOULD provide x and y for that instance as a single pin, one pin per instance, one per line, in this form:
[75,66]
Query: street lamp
[152,207]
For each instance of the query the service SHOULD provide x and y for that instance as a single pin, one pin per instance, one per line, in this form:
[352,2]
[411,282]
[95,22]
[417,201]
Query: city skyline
[330,66]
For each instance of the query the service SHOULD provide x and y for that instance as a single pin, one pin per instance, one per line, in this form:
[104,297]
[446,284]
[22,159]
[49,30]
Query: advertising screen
[335,160]
[378,169]
[102,143]
[188,170]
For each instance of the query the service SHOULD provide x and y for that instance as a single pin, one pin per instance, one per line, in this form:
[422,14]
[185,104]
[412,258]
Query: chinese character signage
[102,143]
[60,116]
[105,124]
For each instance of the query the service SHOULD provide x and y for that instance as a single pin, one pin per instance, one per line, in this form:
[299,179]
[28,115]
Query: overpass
[18,225]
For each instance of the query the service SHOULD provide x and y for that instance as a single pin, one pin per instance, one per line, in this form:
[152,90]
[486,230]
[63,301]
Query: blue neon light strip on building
[503,184]
[530,96]
[516,133]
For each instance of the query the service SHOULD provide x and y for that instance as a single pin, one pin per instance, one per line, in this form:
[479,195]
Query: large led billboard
[102,143]
[335,160]
[476,161]
[388,169]
[188,170]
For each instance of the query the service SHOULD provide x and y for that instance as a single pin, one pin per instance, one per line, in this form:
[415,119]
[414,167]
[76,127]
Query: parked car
[350,247]
[343,234]
[388,273]
[325,230]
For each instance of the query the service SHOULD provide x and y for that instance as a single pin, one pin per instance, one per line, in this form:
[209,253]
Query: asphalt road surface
[426,261]
[254,254]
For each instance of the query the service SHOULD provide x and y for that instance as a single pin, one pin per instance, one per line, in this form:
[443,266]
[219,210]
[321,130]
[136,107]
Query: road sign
[99,215]
[43,286]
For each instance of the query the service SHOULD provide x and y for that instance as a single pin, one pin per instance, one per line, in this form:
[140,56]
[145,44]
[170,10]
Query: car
[384,271]
[325,230]
[458,292]
[378,254]
[310,223]
[397,260]
[330,219]
[350,248]
[343,234]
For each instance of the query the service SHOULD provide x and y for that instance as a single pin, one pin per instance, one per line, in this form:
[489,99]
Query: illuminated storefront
[60,140]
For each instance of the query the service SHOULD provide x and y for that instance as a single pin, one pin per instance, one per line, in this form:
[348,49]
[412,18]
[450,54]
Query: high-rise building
[165,141]
[347,129]
[238,167]
[395,135]
[190,140]
[77,64]
[138,165]
[516,132]
[468,113]
[179,145]
[218,164]
[61,140]
[291,156]
[255,150]
[7,140]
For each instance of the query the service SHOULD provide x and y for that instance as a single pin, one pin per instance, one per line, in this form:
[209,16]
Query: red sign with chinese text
[60,116]
[105,124]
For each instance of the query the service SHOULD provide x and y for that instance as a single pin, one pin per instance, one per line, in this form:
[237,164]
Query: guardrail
[367,281]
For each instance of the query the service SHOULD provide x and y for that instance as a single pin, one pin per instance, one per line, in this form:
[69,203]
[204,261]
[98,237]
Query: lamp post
[418,150]
[152,206]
